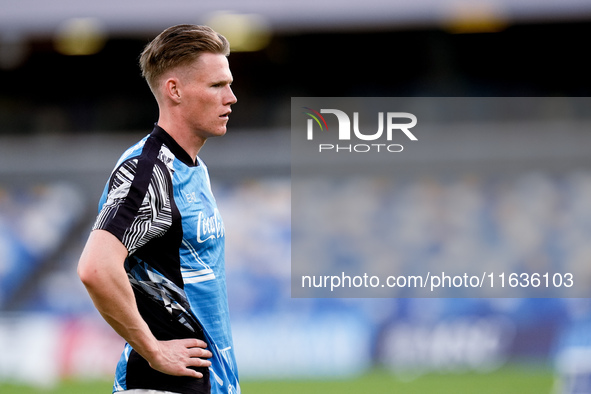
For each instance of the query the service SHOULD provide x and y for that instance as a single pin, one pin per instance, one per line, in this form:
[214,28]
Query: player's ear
[172,89]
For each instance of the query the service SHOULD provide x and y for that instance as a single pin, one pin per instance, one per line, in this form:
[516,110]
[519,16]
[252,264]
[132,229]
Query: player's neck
[190,141]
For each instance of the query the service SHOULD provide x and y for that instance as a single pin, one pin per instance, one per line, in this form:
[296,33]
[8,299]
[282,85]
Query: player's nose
[230,97]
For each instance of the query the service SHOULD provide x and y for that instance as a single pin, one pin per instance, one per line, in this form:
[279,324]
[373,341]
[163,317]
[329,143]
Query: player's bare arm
[101,270]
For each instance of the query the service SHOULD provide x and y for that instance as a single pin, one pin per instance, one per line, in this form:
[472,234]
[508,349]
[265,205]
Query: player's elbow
[86,272]
[89,270]
[102,254]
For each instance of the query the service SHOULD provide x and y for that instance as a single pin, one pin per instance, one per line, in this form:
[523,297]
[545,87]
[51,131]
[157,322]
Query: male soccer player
[154,261]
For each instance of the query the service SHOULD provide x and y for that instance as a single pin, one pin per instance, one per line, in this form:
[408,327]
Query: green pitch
[505,381]
[517,380]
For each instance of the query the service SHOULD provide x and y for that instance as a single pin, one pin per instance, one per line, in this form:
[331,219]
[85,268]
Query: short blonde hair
[177,46]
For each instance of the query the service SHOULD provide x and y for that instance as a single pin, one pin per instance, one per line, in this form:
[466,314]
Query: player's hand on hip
[175,357]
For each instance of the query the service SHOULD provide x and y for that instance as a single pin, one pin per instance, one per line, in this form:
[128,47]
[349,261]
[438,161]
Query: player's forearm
[117,306]
[101,269]
[102,273]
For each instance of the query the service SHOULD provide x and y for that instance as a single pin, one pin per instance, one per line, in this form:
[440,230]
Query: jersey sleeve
[137,206]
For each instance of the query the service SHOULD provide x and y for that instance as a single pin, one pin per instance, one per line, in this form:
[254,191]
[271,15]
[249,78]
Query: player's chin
[218,132]
[218,128]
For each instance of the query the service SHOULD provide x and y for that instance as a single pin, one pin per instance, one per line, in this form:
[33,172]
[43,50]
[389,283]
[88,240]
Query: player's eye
[221,84]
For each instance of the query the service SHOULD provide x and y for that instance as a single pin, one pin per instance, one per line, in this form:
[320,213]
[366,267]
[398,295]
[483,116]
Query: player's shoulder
[134,150]
[141,158]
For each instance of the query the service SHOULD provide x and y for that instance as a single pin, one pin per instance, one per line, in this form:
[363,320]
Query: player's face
[207,95]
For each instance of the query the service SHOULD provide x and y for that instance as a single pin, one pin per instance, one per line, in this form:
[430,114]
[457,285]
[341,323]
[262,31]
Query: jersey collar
[174,147]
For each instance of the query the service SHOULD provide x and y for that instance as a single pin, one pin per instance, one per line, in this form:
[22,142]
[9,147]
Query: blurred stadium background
[72,99]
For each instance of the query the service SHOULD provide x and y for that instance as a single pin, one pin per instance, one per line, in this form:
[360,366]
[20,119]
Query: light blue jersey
[159,203]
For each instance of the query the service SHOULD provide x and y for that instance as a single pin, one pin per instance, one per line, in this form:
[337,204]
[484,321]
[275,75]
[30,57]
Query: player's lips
[225,115]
